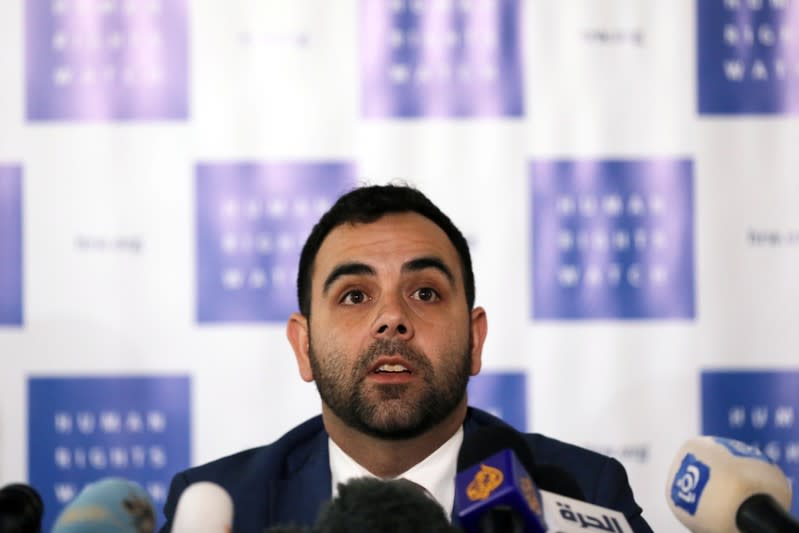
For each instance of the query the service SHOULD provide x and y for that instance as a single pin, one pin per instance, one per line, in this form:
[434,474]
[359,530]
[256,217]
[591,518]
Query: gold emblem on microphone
[485,481]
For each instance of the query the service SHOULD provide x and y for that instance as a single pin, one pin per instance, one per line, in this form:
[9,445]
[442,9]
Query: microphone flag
[498,484]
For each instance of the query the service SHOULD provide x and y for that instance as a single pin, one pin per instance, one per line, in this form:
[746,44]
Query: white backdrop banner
[625,172]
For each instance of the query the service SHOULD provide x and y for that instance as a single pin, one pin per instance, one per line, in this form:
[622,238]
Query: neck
[389,458]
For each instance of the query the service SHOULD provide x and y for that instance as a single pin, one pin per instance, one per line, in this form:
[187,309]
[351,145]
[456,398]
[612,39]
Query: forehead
[386,243]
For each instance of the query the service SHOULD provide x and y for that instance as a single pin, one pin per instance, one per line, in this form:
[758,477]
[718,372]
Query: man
[389,332]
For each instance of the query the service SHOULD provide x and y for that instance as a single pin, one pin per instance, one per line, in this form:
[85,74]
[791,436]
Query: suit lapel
[299,498]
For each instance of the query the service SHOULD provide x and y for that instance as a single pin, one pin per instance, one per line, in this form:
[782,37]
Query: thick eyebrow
[423,263]
[346,269]
[414,265]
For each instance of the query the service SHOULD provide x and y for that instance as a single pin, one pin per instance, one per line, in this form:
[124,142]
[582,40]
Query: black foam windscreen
[485,442]
[21,509]
[369,505]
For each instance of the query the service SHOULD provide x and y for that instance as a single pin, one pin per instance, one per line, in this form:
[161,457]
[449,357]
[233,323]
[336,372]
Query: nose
[392,321]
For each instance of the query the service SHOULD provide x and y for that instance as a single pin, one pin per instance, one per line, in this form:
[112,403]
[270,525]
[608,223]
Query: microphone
[718,485]
[497,494]
[371,505]
[493,488]
[488,441]
[21,509]
[204,507]
[110,505]
[569,515]
[494,496]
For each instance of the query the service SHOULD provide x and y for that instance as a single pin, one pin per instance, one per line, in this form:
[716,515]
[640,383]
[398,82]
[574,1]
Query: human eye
[426,294]
[354,297]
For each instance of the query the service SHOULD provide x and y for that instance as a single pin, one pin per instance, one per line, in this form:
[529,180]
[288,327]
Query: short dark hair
[368,204]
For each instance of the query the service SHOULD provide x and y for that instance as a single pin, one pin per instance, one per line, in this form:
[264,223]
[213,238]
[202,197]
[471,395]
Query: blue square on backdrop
[447,58]
[758,408]
[252,221]
[748,57]
[612,239]
[112,60]
[503,394]
[11,246]
[81,429]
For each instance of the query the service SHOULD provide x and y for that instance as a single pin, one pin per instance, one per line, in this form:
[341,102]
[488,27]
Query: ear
[479,327]
[299,338]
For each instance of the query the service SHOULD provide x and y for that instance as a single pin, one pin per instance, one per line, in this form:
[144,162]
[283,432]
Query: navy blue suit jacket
[288,481]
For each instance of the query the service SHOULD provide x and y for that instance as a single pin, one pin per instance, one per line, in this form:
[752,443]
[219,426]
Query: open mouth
[392,369]
[388,366]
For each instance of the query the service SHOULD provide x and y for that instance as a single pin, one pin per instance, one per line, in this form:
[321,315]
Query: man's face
[390,340]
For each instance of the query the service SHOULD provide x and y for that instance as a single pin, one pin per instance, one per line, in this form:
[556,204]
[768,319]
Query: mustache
[382,347]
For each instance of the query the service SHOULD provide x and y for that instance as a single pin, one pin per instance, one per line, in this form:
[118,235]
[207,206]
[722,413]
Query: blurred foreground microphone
[110,505]
[718,485]
[21,509]
[369,505]
[204,507]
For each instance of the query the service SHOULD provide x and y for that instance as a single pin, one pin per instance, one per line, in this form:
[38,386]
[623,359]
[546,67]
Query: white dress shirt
[436,472]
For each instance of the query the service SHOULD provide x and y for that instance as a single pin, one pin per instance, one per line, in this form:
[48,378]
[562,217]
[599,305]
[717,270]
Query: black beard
[393,416]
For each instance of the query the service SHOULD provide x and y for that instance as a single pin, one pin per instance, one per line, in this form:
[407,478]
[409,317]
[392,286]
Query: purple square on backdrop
[10,245]
[759,408]
[503,394]
[110,60]
[81,429]
[748,57]
[612,239]
[252,221]
[447,58]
